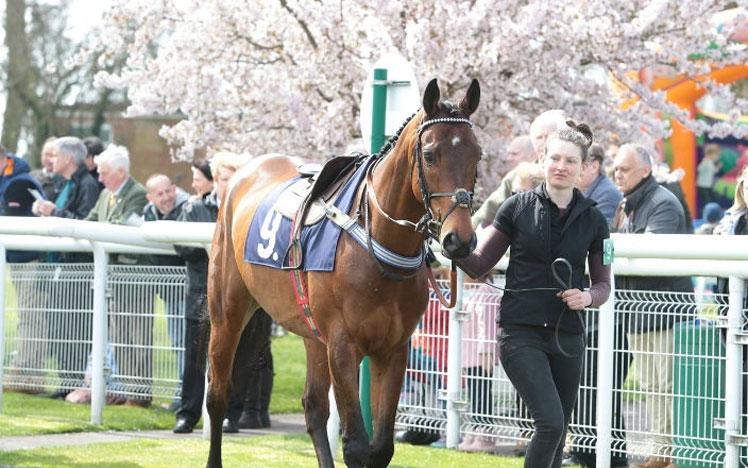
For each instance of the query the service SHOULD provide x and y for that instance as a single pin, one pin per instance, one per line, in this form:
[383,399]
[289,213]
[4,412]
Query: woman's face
[221,179]
[200,184]
[562,164]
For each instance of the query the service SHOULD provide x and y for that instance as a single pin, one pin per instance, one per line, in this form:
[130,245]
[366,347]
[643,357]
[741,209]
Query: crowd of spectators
[86,180]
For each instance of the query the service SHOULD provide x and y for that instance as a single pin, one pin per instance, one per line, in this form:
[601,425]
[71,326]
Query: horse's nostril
[454,247]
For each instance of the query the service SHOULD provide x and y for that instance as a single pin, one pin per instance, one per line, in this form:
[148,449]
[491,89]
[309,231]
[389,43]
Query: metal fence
[49,318]
[668,390]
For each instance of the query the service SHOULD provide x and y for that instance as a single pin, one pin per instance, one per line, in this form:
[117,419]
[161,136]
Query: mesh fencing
[48,329]
[669,358]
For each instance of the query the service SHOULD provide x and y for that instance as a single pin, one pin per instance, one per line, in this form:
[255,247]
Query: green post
[378,109]
[378,112]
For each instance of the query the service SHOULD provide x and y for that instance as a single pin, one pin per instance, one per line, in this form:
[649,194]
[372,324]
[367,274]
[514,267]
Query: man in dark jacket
[26,372]
[70,326]
[165,202]
[201,210]
[650,208]
[79,191]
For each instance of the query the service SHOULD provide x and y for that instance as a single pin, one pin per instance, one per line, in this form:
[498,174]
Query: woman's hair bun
[582,128]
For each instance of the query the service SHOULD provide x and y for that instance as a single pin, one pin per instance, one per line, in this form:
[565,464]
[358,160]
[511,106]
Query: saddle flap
[290,200]
[302,195]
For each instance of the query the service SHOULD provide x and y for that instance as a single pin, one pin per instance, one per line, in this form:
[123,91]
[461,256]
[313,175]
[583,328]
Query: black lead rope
[565,284]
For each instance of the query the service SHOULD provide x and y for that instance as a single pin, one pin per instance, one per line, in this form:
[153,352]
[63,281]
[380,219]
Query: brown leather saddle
[303,199]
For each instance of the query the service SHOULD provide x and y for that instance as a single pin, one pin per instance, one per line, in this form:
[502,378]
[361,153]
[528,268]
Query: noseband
[429,224]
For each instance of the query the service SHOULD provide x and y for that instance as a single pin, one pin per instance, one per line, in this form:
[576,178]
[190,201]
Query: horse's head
[446,155]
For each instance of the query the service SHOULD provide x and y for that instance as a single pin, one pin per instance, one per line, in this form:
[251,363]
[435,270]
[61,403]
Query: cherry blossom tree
[286,75]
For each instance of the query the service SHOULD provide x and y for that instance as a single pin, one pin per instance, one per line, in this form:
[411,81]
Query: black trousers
[193,379]
[586,413]
[253,344]
[252,367]
[547,381]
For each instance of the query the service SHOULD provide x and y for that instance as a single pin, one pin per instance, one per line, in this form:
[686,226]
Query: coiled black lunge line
[565,284]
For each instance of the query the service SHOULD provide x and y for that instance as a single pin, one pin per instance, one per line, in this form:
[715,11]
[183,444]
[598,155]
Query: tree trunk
[18,71]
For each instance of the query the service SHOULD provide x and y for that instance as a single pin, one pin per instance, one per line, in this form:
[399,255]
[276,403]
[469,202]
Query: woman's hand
[576,299]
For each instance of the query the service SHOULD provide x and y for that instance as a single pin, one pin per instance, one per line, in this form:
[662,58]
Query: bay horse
[420,187]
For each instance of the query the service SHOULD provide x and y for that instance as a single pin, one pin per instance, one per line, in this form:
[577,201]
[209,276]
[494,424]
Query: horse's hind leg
[386,380]
[315,401]
[229,304]
[344,359]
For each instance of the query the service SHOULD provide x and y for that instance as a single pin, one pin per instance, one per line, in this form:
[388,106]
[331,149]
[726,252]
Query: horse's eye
[428,156]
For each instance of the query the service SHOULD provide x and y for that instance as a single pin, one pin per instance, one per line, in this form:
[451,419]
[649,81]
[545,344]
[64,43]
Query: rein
[564,285]
[452,287]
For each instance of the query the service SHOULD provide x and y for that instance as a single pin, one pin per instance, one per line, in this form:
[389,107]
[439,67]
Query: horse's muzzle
[454,247]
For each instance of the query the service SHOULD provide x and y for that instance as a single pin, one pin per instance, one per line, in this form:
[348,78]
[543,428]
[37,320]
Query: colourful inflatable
[685,91]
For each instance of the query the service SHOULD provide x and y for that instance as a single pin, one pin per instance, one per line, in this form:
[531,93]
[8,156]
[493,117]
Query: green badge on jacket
[608,252]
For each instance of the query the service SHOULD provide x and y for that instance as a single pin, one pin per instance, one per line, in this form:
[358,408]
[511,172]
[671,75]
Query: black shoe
[60,394]
[419,437]
[265,419]
[183,427]
[230,427]
[254,420]
[250,420]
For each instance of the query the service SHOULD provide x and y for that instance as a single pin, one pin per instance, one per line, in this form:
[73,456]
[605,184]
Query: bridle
[429,224]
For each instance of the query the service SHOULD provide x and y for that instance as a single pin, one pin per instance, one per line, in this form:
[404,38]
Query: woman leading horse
[419,187]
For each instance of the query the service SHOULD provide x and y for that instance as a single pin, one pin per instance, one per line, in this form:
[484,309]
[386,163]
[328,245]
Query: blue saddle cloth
[269,233]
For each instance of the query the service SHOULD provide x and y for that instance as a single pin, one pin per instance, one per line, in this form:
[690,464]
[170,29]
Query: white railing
[643,255]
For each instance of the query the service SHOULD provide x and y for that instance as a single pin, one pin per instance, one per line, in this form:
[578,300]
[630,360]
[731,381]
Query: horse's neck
[391,183]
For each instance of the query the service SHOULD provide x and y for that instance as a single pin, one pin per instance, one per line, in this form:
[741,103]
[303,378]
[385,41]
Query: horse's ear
[469,103]
[431,98]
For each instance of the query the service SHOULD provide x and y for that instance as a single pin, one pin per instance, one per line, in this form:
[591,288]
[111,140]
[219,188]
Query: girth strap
[358,234]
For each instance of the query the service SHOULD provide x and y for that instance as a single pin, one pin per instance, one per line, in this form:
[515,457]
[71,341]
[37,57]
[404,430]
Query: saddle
[303,200]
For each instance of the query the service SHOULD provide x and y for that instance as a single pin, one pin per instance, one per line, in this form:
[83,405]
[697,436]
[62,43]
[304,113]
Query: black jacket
[151,213]
[82,197]
[201,210]
[526,219]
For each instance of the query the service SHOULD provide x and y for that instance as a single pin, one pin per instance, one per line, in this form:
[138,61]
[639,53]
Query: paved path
[281,424]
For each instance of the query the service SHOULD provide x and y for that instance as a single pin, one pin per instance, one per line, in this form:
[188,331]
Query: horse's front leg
[386,382]
[315,401]
[344,360]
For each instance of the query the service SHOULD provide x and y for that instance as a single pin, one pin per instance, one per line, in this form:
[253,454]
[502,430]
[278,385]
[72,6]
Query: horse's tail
[203,338]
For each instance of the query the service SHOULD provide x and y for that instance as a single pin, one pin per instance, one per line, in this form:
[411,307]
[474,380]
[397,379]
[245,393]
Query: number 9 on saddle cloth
[269,236]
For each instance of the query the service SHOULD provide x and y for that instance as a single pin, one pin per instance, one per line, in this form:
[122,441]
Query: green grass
[289,362]
[33,415]
[265,451]
[30,415]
